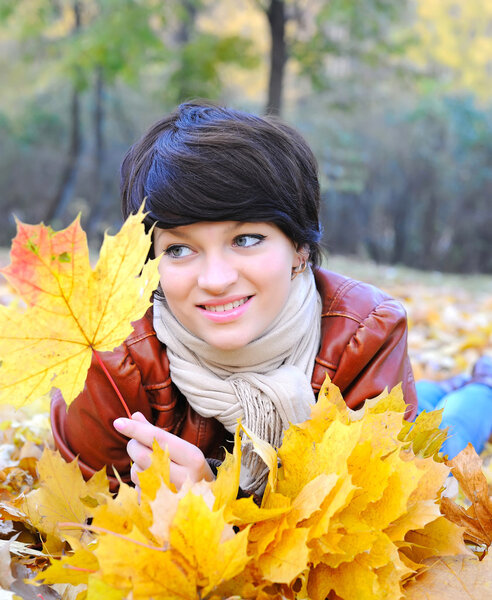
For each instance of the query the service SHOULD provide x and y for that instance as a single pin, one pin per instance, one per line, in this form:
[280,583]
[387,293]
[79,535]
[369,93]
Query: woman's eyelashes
[178,251]
[246,240]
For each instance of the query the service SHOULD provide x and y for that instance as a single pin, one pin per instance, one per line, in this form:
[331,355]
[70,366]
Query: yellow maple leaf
[208,542]
[123,512]
[131,563]
[72,310]
[424,433]
[63,496]
[226,485]
[74,568]
[152,479]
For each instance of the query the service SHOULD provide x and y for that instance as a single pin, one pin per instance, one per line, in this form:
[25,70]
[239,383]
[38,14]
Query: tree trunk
[278,55]
[187,24]
[183,37]
[69,175]
[67,182]
[400,217]
[101,197]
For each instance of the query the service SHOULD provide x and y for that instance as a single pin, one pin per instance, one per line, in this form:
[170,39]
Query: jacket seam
[158,386]
[347,315]
[325,363]
[347,285]
[161,407]
[179,423]
[139,338]
[201,427]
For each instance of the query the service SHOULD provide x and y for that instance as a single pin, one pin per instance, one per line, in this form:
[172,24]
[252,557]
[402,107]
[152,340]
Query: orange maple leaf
[476,519]
[72,310]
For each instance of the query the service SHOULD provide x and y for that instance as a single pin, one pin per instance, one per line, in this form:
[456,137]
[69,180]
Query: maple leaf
[476,519]
[424,433]
[453,578]
[63,495]
[74,569]
[72,310]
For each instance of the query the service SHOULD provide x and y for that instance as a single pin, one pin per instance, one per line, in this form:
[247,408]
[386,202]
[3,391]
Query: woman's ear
[300,261]
[301,257]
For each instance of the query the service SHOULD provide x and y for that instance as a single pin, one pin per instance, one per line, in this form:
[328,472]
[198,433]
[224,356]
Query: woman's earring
[300,269]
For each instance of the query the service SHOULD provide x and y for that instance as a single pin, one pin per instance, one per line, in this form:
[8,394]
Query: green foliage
[38,124]
[119,39]
[7,8]
[366,32]
[198,73]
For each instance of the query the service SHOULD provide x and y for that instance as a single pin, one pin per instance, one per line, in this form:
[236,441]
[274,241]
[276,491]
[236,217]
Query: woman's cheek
[174,281]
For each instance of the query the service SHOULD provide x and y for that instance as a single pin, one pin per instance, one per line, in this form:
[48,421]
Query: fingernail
[137,414]
[119,424]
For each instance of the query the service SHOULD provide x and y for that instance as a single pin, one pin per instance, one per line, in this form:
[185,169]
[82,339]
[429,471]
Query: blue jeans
[467,413]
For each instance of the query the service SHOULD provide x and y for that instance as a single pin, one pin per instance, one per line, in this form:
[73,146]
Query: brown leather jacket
[363,349]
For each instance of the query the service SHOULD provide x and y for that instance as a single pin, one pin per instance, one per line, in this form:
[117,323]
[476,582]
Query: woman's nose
[217,274]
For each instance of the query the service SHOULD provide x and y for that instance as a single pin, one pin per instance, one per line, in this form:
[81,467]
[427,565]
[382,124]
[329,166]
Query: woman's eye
[244,241]
[177,251]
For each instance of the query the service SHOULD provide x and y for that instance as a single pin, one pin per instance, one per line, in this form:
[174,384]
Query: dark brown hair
[209,163]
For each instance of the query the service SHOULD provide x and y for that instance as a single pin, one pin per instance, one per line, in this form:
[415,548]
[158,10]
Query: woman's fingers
[177,474]
[138,416]
[187,460]
[141,455]
[180,451]
[134,471]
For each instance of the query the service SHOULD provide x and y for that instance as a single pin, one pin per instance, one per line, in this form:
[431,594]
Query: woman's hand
[187,460]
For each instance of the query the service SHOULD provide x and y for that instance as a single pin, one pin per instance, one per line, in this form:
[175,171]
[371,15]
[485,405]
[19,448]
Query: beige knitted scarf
[266,384]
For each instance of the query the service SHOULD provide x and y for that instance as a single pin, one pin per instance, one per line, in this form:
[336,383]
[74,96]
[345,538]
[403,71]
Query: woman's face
[226,281]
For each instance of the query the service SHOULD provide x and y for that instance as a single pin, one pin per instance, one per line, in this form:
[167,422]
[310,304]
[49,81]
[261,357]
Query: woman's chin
[228,343]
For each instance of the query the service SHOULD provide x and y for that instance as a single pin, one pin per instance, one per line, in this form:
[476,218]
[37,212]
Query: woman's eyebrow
[183,234]
[175,231]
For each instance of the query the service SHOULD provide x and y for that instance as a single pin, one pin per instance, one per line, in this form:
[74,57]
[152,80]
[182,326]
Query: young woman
[245,323]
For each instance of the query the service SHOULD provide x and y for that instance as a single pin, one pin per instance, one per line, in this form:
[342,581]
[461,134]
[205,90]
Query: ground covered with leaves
[354,506]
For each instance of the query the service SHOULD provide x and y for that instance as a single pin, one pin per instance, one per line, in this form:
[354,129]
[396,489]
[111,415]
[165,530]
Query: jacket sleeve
[375,357]
[86,429]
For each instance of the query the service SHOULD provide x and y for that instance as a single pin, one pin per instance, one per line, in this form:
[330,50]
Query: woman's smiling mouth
[224,307]
[229,311]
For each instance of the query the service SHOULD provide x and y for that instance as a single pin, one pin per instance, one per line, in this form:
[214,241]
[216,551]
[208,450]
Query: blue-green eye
[247,240]
[177,251]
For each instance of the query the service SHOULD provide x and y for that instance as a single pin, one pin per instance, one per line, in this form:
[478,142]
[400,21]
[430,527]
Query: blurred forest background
[394,96]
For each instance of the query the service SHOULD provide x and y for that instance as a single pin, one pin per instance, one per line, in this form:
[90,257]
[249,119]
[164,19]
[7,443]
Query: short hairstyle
[205,162]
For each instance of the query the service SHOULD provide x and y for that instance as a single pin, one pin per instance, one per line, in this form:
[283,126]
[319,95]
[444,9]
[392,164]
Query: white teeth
[223,307]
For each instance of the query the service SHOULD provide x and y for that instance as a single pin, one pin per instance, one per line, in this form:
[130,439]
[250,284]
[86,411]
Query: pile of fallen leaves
[449,316]
[352,510]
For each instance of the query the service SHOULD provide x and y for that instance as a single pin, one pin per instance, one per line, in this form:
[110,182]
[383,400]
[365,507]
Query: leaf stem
[96,529]
[112,382]
[81,569]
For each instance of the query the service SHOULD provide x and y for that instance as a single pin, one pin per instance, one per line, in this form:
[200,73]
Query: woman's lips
[228,311]
[226,306]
